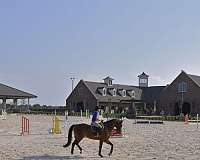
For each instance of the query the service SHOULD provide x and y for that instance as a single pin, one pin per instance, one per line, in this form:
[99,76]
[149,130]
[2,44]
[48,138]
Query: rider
[96,121]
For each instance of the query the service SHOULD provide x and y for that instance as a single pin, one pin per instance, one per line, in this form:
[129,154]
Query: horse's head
[118,124]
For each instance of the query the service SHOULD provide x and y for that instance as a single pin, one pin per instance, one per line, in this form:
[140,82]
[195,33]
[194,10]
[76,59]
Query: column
[145,106]
[4,104]
[28,105]
[1,106]
[154,106]
[15,103]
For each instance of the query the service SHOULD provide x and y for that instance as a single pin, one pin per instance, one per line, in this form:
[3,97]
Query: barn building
[181,96]
[114,97]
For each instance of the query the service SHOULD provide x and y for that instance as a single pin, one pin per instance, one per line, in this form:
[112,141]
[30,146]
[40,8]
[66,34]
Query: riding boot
[97,135]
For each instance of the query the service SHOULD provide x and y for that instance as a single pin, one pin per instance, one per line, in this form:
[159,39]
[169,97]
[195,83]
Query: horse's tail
[69,136]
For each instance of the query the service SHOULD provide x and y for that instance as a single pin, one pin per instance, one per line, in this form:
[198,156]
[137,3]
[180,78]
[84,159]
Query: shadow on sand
[46,157]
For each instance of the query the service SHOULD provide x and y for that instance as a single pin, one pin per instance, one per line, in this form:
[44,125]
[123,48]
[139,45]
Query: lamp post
[72,79]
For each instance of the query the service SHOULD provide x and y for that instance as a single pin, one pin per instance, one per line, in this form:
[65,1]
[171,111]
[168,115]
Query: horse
[84,131]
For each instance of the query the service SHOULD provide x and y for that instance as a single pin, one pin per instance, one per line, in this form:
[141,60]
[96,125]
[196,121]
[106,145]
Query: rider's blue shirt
[95,116]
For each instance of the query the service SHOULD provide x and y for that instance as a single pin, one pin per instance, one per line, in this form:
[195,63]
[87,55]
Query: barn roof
[143,94]
[152,93]
[195,78]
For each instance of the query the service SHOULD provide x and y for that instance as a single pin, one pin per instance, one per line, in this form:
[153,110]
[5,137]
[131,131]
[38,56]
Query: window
[104,91]
[110,82]
[143,80]
[124,93]
[132,93]
[114,92]
[182,87]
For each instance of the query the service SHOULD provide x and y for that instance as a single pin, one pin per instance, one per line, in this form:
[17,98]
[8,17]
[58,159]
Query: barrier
[116,134]
[3,115]
[146,121]
[25,125]
[56,125]
[195,121]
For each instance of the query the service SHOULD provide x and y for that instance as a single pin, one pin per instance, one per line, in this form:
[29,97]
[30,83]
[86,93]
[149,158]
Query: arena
[171,140]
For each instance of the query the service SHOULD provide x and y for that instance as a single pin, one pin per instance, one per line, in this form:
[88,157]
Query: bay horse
[84,131]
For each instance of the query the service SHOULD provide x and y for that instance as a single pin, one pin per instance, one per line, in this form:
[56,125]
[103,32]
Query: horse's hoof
[110,154]
[80,152]
[101,156]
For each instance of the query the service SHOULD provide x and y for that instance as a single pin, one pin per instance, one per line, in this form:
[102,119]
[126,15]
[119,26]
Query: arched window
[114,92]
[104,91]
[124,93]
[132,93]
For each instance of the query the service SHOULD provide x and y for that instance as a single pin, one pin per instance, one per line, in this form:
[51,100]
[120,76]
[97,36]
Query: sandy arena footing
[168,141]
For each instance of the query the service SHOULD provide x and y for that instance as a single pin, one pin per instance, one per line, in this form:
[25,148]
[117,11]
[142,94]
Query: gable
[81,90]
[183,77]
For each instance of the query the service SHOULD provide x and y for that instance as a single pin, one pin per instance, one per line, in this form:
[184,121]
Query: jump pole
[81,113]
[24,125]
[66,115]
[65,123]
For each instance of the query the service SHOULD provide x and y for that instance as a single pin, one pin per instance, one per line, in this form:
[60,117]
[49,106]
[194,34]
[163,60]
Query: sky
[45,43]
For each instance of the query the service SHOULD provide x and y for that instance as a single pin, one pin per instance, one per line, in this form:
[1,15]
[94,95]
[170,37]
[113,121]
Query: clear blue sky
[45,42]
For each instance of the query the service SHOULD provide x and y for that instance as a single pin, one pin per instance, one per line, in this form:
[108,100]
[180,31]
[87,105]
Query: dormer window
[124,93]
[104,91]
[114,92]
[110,82]
[132,93]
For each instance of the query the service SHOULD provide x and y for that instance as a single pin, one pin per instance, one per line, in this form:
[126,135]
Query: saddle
[95,128]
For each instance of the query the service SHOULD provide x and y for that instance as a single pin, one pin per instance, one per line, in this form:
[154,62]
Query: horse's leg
[76,141]
[73,144]
[100,146]
[111,150]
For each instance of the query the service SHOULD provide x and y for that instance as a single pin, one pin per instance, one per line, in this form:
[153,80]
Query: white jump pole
[65,123]
[81,113]
[66,115]
[197,120]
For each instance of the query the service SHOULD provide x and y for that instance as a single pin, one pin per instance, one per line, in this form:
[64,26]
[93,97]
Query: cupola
[108,81]
[143,80]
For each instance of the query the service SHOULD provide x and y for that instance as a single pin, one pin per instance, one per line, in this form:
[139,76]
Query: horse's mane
[109,121]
